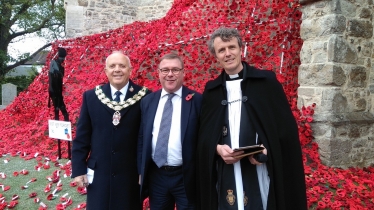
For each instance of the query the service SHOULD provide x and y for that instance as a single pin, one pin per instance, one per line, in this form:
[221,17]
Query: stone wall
[336,73]
[85,17]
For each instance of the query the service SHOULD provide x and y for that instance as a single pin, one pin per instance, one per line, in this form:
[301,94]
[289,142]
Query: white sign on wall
[59,129]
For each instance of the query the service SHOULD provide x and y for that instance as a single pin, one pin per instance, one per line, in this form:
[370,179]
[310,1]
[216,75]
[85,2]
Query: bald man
[104,149]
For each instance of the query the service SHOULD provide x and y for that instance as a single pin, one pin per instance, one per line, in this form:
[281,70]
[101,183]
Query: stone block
[308,73]
[321,129]
[357,76]
[328,93]
[367,63]
[360,117]
[360,105]
[339,152]
[339,50]
[101,5]
[365,13]
[324,145]
[333,101]
[83,3]
[71,2]
[332,24]
[365,130]
[308,95]
[307,29]
[321,74]
[371,88]
[323,26]
[339,103]
[338,75]
[366,48]
[354,131]
[74,17]
[319,57]
[342,131]
[306,91]
[360,28]
[316,8]
[347,7]
[306,53]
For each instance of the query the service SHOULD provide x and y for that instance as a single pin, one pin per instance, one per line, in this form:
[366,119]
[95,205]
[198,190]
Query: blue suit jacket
[189,125]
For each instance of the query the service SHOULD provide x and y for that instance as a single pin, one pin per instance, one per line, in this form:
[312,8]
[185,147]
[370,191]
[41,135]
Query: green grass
[17,164]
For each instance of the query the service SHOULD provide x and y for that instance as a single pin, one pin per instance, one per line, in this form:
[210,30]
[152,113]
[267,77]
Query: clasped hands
[229,156]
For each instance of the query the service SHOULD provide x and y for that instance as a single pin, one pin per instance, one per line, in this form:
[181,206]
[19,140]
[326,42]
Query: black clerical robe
[268,109]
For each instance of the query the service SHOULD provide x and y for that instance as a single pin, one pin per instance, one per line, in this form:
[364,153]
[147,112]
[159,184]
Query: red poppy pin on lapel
[189,96]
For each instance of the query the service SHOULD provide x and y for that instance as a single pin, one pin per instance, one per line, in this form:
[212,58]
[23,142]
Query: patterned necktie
[117,98]
[161,150]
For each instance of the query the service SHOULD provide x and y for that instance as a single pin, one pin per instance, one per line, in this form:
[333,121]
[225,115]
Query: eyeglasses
[173,70]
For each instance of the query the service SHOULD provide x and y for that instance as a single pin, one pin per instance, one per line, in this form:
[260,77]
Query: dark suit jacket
[109,150]
[189,125]
[270,112]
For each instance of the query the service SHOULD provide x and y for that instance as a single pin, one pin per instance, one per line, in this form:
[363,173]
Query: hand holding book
[249,150]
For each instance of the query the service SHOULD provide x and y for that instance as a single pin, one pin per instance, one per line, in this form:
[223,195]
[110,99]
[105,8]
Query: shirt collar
[123,90]
[178,92]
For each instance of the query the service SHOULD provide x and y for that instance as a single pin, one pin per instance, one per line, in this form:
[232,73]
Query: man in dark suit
[104,150]
[167,140]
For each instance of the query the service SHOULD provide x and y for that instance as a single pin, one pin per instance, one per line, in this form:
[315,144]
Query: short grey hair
[226,34]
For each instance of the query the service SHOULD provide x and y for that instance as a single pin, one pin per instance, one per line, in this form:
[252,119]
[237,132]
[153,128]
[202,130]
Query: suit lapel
[150,114]
[130,90]
[153,107]
[186,107]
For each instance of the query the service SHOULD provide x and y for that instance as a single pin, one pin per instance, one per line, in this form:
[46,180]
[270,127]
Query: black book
[249,150]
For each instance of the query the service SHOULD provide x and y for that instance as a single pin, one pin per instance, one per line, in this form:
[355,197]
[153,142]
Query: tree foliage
[20,18]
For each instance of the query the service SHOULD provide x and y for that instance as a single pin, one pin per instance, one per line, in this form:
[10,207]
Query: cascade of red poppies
[270,30]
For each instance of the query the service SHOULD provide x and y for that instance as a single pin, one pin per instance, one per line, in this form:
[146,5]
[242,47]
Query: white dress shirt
[174,157]
[123,91]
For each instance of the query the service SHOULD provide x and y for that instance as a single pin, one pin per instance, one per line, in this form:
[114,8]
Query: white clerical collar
[233,76]
[178,92]
[123,90]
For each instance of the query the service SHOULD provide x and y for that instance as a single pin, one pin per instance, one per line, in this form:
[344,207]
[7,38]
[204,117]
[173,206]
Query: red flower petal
[51,197]
[12,204]
[15,197]
[33,194]
[73,184]
[82,190]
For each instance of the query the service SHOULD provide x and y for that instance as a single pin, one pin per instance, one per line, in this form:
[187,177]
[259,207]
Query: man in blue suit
[167,140]
[104,150]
